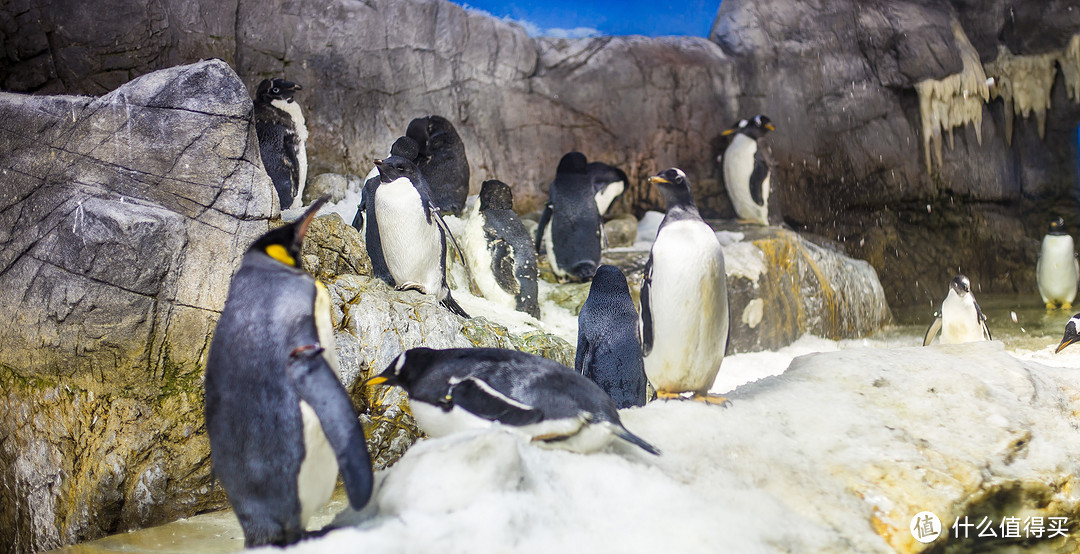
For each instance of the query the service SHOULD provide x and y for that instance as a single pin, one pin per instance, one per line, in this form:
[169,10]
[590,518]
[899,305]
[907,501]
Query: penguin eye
[275,90]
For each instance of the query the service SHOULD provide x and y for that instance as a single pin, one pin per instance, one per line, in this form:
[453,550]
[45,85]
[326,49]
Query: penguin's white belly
[300,126]
[550,249]
[319,470]
[689,308]
[475,246]
[607,195]
[959,320]
[412,247]
[437,422]
[738,166]
[1057,270]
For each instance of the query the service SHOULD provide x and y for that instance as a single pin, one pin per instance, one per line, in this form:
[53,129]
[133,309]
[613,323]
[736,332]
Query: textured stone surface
[332,247]
[326,184]
[121,219]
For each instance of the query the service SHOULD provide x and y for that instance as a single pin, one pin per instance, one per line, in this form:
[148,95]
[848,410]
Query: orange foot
[714,399]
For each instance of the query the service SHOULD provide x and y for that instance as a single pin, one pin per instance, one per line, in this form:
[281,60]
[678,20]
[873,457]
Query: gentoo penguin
[412,233]
[684,304]
[442,161]
[279,124]
[500,251]
[1071,333]
[280,423]
[404,147]
[569,228]
[960,319]
[747,168]
[608,183]
[1057,270]
[609,340]
[464,388]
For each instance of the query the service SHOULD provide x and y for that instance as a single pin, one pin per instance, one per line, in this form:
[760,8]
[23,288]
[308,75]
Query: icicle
[1023,83]
[954,100]
[1070,67]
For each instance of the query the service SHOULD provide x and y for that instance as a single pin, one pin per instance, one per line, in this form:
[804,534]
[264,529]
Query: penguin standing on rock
[1058,269]
[442,161]
[281,425]
[684,303]
[609,342]
[960,319]
[747,168]
[466,388]
[500,252]
[412,233]
[570,227]
[403,147]
[279,124]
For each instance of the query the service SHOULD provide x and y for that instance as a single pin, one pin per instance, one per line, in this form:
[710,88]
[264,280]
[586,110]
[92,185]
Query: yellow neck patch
[279,253]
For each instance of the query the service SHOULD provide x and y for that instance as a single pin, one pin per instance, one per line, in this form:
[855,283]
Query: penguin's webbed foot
[412,285]
[1066,306]
[712,399]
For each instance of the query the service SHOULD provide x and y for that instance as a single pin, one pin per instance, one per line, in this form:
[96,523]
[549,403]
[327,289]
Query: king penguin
[684,303]
[412,233]
[747,168]
[608,183]
[1058,269]
[1072,333]
[279,124]
[570,227]
[280,423]
[442,161]
[500,252]
[403,147]
[960,319]
[466,388]
[609,339]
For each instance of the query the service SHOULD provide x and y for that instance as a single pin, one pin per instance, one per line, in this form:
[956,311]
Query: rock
[326,184]
[621,231]
[332,247]
[123,218]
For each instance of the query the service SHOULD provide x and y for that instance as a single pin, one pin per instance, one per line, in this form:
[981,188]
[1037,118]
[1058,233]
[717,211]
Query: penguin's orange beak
[770,127]
[655,179]
[727,132]
[1065,342]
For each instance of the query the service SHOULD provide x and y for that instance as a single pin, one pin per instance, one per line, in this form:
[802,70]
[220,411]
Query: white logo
[925,527]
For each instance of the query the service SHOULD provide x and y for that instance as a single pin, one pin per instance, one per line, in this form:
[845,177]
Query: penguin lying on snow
[280,423]
[1072,333]
[609,343]
[282,133]
[442,161]
[1057,270]
[747,166]
[500,251]
[403,147]
[456,389]
[570,226]
[412,233]
[960,319]
[684,304]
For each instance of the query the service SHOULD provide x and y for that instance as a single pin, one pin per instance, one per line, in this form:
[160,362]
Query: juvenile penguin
[1072,333]
[404,147]
[465,388]
[280,423]
[747,167]
[609,342]
[442,161]
[684,304]
[1058,269]
[960,319]
[570,226]
[500,252]
[279,124]
[608,183]
[412,233]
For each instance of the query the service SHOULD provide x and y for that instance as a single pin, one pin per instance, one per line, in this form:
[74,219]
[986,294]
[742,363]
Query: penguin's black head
[406,369]
[396,167]
[418,131]
[284,243]
[406,147]
[441,133]
[609,279]
[754,127]
[1072,333]
[572,162]
[276,89]
[961,285]
[674,186]
[1057,226]
[496,195]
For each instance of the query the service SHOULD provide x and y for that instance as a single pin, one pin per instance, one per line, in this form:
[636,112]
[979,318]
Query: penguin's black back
[609,346]
[575,221]
[278,140]
[443,163]
[513,259]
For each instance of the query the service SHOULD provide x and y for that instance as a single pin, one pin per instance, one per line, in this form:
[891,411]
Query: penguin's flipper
[452,304]
[584,354]
[502,266]
[545,218]
[932,331]
[631,438]
[371,235]
[646,311]
[982,320]
[317,385]
[757,178]
[292,147]
[478,397]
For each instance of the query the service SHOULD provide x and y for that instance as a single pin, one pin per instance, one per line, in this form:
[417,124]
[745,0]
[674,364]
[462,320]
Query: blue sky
[629,17]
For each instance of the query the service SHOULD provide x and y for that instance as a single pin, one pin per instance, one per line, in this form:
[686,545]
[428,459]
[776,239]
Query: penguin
[1071,333]
[500,251]
[282,133]
[570,227]
[464,388]
[960,319]
[404,147]
[609,340]
[1058,269]
[280,423]
[747,168]
[684,301]
[608,183]
[442,161]
[412,234]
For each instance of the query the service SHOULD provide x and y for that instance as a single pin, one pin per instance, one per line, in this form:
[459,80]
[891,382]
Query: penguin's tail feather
[453,306]
[631,438]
